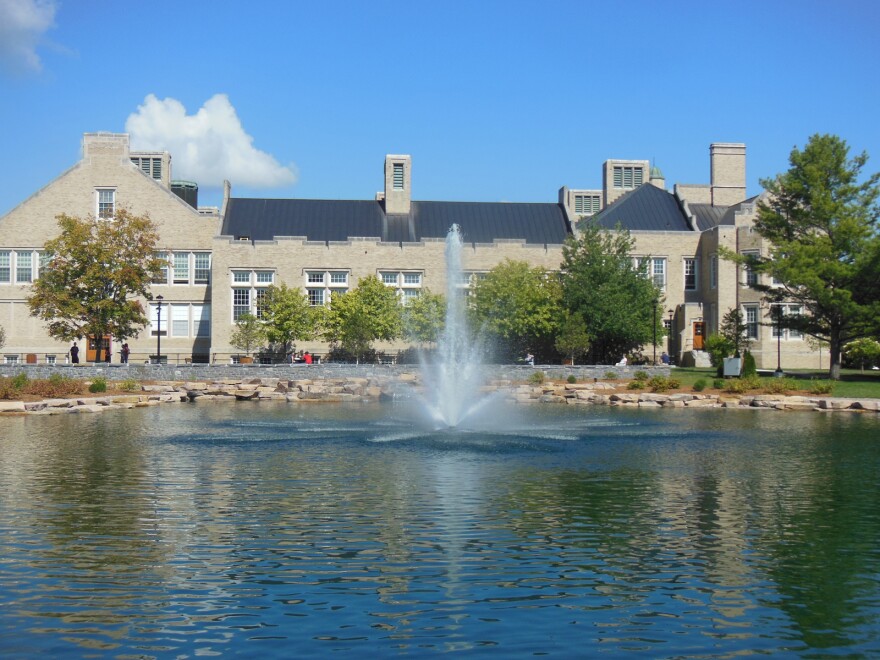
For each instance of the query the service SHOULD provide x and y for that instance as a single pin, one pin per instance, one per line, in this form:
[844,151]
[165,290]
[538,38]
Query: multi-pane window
[586,204]
[658,271]
[398,176]
[626,176]
[249,299]
[202,262]
[749,275]
[45,259]
[785,310]
[752,321]
[181,320]
[322,285]
[106,202]
[5,266]
[201,315]
[24,267]
[181,267]
[690,274]
[407,284]
[163,270]
[158,319]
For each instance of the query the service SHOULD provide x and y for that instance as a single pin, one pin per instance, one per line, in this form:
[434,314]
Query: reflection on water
[284,530]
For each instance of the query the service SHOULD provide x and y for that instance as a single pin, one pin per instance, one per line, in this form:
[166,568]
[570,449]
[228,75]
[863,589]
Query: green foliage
[571,379]
[718,347]
[863,352]
[749,366]
[537,377]
[130,385]
[780,385]
[287,317]
[615,298]
[663,384]
[636,384]
[820,216]
[99,384]
[718,383]
[249,333]
[96,271]
[742,385]
[19,380]
[821,387]
[363,315]
[424,317]
[610,375]
[573,339]
[734,329]
[2,337]
[700,385]
[641,375]
[519,306]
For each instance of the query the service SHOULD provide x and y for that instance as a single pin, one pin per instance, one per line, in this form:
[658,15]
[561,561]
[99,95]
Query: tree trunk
[834,346]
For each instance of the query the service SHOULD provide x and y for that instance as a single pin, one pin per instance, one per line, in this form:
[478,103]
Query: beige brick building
[222,260]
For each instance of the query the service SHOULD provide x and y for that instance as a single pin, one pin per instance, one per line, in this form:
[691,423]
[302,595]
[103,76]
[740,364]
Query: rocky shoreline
[370,389]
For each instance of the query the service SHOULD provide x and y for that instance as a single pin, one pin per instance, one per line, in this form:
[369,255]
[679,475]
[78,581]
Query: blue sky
[494,100]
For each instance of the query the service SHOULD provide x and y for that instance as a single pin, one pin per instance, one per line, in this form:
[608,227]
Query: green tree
[96,270]
[368,313]
[821,219]
[249,333]
[519,306]
[615,297]
[861,351]
[735,330]
[424,317]
[573,339]
[287,317]
[2,337]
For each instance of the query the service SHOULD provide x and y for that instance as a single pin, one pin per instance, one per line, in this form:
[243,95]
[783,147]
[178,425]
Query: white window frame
[6,270]
[658,276]
[753,326]
[694,263]
[255,281]
[749,276]
[321,285]
[105,209]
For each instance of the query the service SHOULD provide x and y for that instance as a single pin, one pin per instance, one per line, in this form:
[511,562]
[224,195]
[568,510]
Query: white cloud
[206,147]
[22,24]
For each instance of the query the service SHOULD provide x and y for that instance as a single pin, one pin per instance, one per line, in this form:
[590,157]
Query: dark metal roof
[729,217]
[335,220]
[647,208]
[707,216]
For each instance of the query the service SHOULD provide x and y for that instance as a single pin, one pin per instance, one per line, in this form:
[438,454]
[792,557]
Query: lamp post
[669,336]
[654,327]
[159,299]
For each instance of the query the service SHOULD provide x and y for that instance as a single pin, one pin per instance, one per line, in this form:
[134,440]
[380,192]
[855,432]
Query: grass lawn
[853,383]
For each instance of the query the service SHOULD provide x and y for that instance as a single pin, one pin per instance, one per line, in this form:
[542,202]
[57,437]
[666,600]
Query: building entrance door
[699,334]
[92,349]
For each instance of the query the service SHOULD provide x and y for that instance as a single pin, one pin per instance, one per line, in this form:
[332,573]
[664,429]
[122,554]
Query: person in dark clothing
[74,354]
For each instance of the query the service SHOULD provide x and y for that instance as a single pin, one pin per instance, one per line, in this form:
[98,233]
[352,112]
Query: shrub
[641,375]
[56,385]
[129,385]
[700,385]
[636,385]
[99,384]
[779,385]
[742,385]
[663,384]
[571,379]
[610,375]
[537,378]
[749,366]
[821,387]
[19,381]
[718,383]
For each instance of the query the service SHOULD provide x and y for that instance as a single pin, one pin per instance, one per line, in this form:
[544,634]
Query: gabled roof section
[336,220]
[707,216]
[647,208]
[729,217]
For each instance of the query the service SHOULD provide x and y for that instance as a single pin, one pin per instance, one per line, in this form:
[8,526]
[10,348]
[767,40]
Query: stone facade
[197,313]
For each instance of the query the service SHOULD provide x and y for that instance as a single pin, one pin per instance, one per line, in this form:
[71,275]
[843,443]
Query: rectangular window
[241,303]
[5,266]
[751,313]
[24,267]
[398,176]
[794,310]
[11,359]
[158,324]
[315,278]
[44,259]
[713,271]
[106,202]
[316,297]
[241,276]
[181,267]
[265,277]
[750,277]
[157,168]
[389,279]
[163,272]
[180,320]
[201,316]
[690,274]
[339,278]
[658,272]
[410,294]
[203,267]
[259,301]
[412,279]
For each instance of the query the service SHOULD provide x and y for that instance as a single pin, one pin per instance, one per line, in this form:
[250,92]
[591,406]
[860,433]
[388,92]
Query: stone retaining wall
[373,388]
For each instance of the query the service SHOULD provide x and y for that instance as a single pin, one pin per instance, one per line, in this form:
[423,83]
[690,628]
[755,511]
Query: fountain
[454,376]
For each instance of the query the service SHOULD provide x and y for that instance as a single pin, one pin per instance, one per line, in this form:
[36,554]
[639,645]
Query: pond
[310,530]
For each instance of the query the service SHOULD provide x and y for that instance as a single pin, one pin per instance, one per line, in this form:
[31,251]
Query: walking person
[74,354]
